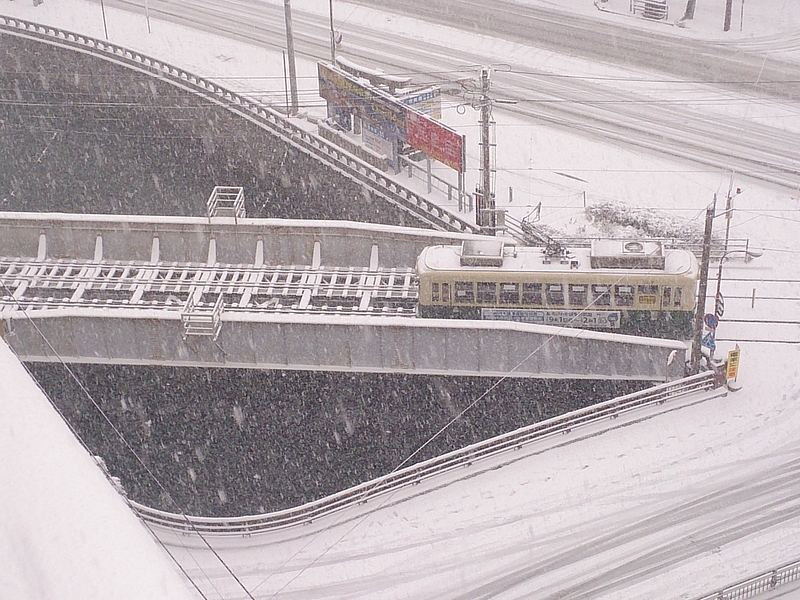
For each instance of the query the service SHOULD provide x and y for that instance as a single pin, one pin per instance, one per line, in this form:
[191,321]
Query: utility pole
[147,16]
[728,11]
[287,9]
[103,10]
[688,14]
[333,35]
[700,308]
[485,207]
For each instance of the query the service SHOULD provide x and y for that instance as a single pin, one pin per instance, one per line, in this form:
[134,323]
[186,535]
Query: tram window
[577,294]
[446,293]
[555,294]
[509,293]
[648,294]
[464,292]
[487,292]
[623,295]
[434,292]
[666,296]
[602,297]
[677,298]
[532,293]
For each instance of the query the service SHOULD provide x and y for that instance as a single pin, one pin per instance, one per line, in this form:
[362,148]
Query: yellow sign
[733,364]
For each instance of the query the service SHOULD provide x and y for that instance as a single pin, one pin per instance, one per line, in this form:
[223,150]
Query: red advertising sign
[436,140]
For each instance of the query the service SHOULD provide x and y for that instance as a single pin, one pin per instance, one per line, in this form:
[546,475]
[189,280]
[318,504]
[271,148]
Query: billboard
[437,141]
[344,91]
[392,117]
[427,101]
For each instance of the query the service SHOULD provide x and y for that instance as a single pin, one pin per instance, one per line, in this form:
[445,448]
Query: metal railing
[736,246]
[335,157]
[754,586]
[507,443]
[465,200]
[226,201]
[651,9]
[199,320]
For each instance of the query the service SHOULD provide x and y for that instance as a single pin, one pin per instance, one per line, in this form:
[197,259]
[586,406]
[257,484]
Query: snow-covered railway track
[53,284]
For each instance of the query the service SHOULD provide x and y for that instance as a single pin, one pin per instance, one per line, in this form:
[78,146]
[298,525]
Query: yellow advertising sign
[733,364]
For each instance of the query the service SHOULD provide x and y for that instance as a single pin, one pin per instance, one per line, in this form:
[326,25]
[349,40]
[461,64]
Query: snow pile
[65,533]
[617,219]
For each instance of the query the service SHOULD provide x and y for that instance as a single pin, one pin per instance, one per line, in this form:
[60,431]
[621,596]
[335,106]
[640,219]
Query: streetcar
[621,286]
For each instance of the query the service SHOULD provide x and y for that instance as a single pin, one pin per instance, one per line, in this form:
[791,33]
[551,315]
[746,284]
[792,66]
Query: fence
[651,9]
[754,586]
[506,443]
[736,247]
[335,157]
[465,200]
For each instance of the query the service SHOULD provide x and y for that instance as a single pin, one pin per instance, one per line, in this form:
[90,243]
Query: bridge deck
[269,294]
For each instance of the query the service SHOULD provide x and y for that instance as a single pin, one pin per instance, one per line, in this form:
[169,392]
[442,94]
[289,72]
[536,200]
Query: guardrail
[754,586]
[651,9]
[330,154]
[492,448]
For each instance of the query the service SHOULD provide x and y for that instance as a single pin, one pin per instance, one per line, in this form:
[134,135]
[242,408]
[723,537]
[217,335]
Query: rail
[755,586]
[337,158]
[492,448]
[57,284]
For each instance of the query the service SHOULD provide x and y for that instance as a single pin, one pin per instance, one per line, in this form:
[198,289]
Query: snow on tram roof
[606,255]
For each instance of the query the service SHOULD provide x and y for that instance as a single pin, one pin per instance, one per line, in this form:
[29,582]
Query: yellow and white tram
[624,286]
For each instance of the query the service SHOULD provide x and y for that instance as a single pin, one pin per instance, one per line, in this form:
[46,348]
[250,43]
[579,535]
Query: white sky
[485,528]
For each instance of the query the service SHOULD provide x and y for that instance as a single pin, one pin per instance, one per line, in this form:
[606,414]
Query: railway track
[58,284]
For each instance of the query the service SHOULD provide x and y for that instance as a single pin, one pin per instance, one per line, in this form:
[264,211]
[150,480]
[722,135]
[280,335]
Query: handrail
[414,474]
[465,200]
[757,585]
[337,158]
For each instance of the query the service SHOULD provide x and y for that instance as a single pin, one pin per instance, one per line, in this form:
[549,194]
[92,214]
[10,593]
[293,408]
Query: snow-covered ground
[486,529]
[65,533]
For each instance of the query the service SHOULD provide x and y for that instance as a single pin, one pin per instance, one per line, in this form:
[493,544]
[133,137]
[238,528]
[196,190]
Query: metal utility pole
[333,35]
[103,10]
[287,9]
[688,14]
[147,16]
[728,11]
[700,308]
[729,209]
[485,208]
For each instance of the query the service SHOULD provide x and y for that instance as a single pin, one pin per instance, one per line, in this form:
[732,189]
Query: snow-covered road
[724,126]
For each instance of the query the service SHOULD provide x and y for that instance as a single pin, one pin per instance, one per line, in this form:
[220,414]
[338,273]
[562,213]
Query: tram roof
[608,256]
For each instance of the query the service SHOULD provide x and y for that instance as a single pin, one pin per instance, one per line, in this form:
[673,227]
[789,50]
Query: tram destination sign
[588,319]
